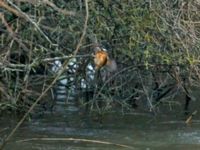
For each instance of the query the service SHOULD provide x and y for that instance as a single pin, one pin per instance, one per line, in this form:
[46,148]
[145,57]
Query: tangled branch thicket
[155,43]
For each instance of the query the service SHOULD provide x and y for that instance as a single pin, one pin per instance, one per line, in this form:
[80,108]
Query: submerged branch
[75,140]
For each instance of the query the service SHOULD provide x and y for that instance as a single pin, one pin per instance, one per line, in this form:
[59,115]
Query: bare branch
[17,11]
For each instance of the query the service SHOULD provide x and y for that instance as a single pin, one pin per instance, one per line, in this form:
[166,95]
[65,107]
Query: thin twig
[11,32]
[10,9]
[49,3]
[58,9]
[24,15]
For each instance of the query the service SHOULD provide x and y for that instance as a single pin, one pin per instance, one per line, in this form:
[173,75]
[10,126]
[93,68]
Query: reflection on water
[138,131]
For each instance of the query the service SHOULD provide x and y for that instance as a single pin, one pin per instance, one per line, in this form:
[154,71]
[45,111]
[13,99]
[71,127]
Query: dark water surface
[139,131]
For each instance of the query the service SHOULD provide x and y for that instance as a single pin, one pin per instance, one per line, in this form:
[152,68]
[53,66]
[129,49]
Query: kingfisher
[102,59]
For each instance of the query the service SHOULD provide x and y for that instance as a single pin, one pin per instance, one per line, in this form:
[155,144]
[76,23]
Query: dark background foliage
[155,44]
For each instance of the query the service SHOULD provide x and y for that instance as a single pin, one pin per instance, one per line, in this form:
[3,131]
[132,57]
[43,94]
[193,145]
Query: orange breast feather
[100,59]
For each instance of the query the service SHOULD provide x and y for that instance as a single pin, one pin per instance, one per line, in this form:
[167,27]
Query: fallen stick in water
[189,119]
[75,139]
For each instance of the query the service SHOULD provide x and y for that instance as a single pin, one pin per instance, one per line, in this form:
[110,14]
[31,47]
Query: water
[68,130]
